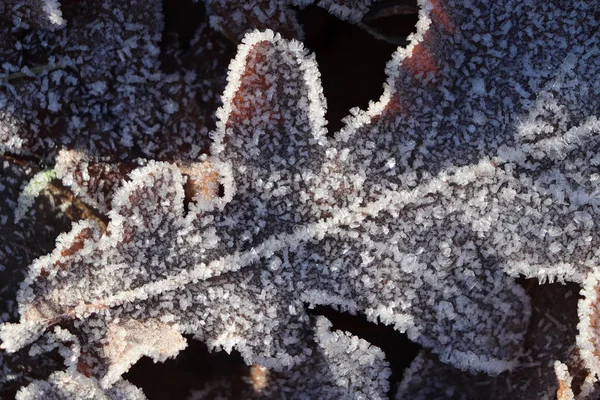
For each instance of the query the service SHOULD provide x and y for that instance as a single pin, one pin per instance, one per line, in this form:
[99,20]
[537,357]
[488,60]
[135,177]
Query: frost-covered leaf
[351,10]
[481,157]
[479,160]
[550,341]
[20,243]
[588,337]
[468,111]
[95,85]
[344,367]
[33,13]
[95,181]
[51,304]
[153,252]
[74,386]
[237,17]
[341,367]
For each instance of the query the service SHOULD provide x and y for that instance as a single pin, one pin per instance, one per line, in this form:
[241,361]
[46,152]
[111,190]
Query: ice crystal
[351,10]
[20,243]
[95,85]
[33,13]
[31,191]
[550,341]
[237,17]
[588,339]
[65,386]
[478,164]
[348,367]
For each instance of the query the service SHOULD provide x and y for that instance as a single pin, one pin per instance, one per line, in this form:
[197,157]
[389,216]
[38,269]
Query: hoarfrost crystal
[478,164]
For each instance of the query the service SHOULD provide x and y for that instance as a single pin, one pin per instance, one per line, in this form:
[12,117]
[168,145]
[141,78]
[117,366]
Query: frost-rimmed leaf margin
[317,102]
[72,385]
[359,118]
[588,338]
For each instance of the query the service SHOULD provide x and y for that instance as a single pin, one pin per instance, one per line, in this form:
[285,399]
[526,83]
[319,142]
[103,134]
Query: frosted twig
[391,39]
[35,70]
[35,186]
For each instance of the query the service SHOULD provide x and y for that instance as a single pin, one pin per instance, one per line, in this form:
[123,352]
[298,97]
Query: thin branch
[396,40]
[32,71]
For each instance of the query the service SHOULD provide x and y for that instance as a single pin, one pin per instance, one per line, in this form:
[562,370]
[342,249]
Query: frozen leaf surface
[235,18]
[153,251]
[342,367]
[20,243]
[94,84]
[357,368]
[351,10]
[478,162]
[88,295]
[93,180]
[74,386]
[588,338]
[33,13]
[550,362]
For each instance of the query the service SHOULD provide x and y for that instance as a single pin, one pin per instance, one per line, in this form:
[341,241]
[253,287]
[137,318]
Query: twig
[34,70]
[391,39]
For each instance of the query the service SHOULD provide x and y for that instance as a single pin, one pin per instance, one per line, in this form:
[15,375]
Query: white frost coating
[412,216]
[72,168]
[270,246]
[354,362]
[36,185]
[565,380]
[17,336]
[75,386]
[310,73]
[80,232]
[129,340]
[236,70]
[551,337]
[588,339]
[350,10]
[315,297]
[52,9]
[359,118]
[105,44]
